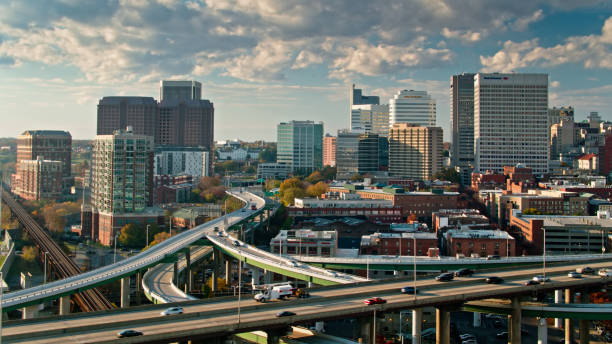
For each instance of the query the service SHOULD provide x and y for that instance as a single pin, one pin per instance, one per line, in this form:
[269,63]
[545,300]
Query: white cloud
[555,84]
[465,36]
[593,51]
[522,23]
[306,58]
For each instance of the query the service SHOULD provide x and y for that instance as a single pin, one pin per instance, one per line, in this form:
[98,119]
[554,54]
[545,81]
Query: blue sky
[266,61]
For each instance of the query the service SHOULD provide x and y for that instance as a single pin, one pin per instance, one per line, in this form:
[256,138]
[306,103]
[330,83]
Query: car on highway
[502,335]
[604,273]
[409,290]
[284,314]
[216,229]
[467,336]
[464,272]
[470,341]
[574,274]
[129,333]
[531,282]
[494,280]
[253,207]
[445,277]
[374,301]
[493,257]
[541,278]
[172,311]
[237,243]
[585,270]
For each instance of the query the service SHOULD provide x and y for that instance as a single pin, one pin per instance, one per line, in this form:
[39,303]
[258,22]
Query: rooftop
[478,234]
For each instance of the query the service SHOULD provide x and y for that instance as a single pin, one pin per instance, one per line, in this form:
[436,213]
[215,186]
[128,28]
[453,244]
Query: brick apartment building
[394,243]
[479,242]
[38,179]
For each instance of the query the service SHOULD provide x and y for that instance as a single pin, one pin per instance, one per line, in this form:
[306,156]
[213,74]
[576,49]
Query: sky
[266,61]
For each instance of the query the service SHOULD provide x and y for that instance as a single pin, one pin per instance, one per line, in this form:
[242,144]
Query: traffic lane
[354,306]
[373,290]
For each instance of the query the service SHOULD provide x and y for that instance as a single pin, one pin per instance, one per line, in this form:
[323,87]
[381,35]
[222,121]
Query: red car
[374,301]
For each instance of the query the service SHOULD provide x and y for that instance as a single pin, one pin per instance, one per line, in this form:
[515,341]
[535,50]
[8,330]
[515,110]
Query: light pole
[239,285]
[45,268]
[414,267]
[544,257]
[115,255]
[148,235]
[170,224]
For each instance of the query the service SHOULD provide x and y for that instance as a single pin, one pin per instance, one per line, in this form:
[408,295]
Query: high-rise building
[356,153]
[122,183]
[511,121]
[462,124]
[192,161]
[186,123]
[115,113]
[38,179]
[357,98]
[557,114]
[49,144]
[370,118]
[179,90]
[415,107]
[414,151]
[300,145]
[329,150]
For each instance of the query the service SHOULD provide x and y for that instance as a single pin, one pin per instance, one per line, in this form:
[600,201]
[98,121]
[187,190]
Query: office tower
[462,124]
[39,179]
[179,90]
[357,98]
[186,123]
[415,107]
[370,118]
[557,114]
[49,144]
[329,150]
[594,119]
[414,151]
[122,182]
[356,153]
[383,153]
[511,121]
[192,161]
[115,113]
[300,145]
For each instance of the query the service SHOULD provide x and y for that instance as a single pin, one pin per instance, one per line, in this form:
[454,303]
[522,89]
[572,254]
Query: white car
[574,274]
[172,311]
[540,278]
[605,273]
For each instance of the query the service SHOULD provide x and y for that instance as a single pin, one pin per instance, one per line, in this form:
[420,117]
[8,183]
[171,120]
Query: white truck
[276,292]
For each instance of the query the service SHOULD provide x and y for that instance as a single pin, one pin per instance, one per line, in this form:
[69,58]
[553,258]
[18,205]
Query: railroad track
[89,300]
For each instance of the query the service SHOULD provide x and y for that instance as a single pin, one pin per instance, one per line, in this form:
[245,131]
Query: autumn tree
[29,253]
[317,190]
[314,177]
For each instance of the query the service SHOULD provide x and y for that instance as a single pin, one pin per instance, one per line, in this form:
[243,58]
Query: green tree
[448,174]
[132,235]
[29,253]
[531,211]
[267,155]
[272,184]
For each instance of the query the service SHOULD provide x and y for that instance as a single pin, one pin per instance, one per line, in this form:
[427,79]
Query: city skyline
[265,63]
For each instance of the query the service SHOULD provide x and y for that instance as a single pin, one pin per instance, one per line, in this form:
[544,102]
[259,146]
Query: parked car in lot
[284,314]
[129,333]
[172,311]
[585,270]
[409,290]
[464,272]
[374,301]
[494,280]
[445,277]
[574,274]
[604,273]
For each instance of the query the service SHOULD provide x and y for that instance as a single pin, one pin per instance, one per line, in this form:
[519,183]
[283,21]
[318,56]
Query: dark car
[284,314]
[494,280]
[129,333]
[409,290]
[493,257]
[585,270]
[444,277]
[502,335]
[532,282]
[237,243]
[464,272]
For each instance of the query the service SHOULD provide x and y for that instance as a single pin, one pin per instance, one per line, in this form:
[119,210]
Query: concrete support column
[365,330]
[275,335]
[310,284]
[125,292]
[514,322]
[442,326]
[255,277]
[175,275]
[188,272]
[267,277]
[584,331]
[320,326]
[477,319]
[558,299]
[569,326]
[228,270]
[64,305]
[215,270]
[417,320]
[29,312]
[542,331]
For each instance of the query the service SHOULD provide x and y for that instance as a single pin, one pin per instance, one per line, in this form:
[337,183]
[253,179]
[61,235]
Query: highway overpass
[216,318]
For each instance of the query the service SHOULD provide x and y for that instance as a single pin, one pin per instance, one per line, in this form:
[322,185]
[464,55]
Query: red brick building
[453,218]
[480,242]
[488,181]
[374,210]
[392,243]
[38,179]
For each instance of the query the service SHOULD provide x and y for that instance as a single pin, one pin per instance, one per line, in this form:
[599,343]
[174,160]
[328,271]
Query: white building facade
[416,107]
[193,161]
[511,121]
[370,118]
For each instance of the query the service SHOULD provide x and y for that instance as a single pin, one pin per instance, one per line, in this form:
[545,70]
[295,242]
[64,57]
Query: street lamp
[148,235]
[414,266]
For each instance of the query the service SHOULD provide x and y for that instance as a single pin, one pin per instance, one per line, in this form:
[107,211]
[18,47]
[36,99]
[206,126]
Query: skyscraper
[462,124]
[300,145]
[357,98]
[415,107]
[356,153]
[49,144]
[414,151]
[179,90]
[329,150]
[122,183]
[370,118]
[115,113]
[511,121]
